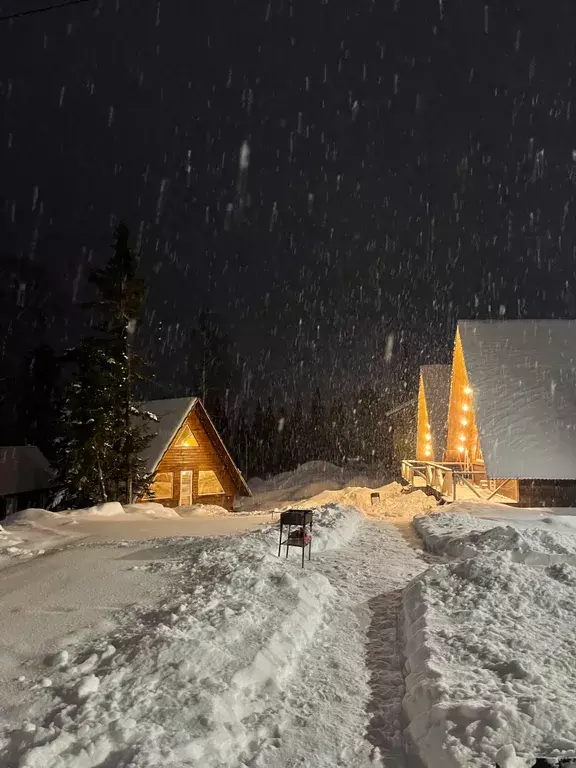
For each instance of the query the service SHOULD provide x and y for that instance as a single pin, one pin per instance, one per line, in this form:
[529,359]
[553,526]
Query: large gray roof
[23,468]
[523,379]
[436,382]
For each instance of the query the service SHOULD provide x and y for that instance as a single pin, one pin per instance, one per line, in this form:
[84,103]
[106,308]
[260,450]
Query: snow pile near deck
[462,536]
[193,682]
[491,656]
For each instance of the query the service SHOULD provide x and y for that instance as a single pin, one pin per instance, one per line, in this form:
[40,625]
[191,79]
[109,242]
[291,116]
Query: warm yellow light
[462,438]
[461,448]
[428,451]
[463,422]
[465,407]
[428,438]
[467,391]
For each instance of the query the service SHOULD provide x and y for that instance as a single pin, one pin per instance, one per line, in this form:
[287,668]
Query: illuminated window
[163,485]
[208,483]
[186,438]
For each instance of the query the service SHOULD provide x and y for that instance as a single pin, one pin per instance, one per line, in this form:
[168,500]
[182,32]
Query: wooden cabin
[25,479]
[189,459]
[512,415]
[433,401]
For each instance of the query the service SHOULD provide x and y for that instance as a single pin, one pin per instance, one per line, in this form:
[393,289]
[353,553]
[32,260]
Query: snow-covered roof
[23,468]
[171,414]
[436,382]
[523,379]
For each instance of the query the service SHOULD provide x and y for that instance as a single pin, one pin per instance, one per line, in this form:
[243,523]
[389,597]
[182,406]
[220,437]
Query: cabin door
[186,488]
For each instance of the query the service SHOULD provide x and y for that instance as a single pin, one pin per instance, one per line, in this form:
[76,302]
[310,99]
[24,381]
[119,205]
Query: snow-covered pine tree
[104,431]
[121,295]
[88,429]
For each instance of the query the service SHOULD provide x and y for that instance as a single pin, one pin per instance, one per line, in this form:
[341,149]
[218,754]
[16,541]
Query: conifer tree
[103,431]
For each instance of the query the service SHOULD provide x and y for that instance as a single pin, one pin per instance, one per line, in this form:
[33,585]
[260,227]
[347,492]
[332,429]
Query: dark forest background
[266,435]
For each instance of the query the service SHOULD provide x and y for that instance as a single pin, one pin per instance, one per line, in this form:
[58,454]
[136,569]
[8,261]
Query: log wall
[201,457]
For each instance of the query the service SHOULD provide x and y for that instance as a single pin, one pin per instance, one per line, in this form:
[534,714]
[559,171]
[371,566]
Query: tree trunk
[128,440]
[101,479]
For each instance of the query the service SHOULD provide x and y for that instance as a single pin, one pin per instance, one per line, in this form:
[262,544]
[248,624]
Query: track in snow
[343,707]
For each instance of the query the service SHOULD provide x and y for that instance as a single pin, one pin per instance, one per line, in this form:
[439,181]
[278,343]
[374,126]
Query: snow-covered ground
[250,660]
[212,651]
[463,536]
[491,639]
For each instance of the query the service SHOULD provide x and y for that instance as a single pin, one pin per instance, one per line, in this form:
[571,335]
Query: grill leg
[310,545]
[280,542]
[303,548]
[288,542]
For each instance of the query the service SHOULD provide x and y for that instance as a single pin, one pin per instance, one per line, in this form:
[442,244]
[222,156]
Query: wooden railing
[445,478]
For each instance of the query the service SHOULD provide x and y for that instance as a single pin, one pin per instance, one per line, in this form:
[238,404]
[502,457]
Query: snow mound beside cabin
[491,662]
[203,510]
[192,682]
[462,536]
[115,509]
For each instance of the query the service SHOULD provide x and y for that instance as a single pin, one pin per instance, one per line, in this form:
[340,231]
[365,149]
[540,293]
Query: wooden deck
[450,481]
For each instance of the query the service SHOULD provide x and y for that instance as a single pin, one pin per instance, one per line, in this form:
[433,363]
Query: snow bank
[115,509]
[32,532]
[491,662]
[333,526]
[203,510]
[150,509]
[194,681]
[462,536]
[309,480]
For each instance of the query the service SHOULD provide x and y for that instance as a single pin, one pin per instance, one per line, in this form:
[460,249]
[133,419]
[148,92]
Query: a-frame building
[189,458]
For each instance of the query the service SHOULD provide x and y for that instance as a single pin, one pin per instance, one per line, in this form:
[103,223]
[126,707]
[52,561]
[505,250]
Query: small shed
[189,458]
[512,416]
[433,402]
[25,478]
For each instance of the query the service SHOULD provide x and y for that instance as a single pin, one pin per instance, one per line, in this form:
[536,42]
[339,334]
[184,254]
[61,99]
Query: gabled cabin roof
[523,379]
[23,468]
[171,414]
[436,383]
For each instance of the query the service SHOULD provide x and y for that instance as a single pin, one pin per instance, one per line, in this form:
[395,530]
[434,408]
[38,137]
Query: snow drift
[193,681]
[462,536]
[491,662]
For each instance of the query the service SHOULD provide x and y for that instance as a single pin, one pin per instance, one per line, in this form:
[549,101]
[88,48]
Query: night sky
[405,163]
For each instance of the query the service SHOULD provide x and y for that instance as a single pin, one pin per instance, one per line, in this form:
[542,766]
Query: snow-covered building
[25,478]
[433,401]
[512,415]
[189,458]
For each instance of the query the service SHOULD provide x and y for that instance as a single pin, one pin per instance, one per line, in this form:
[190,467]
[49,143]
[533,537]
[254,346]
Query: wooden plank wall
[547,493]
[202,457]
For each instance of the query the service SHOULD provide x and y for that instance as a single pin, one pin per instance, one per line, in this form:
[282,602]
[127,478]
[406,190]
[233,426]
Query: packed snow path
[344,705]
[252,662]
